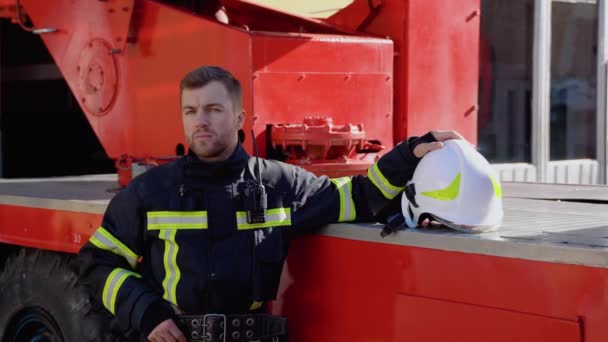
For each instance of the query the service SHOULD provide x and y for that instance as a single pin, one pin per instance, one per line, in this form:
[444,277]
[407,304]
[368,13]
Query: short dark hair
[202,76]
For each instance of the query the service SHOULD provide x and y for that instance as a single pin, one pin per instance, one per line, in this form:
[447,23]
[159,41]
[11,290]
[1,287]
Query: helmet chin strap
[409,217]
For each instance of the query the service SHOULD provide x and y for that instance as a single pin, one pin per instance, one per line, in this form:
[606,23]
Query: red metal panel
[352,84]
[171,43]
[424,319]
[321,53]
[55,230]
[144,119]
[342,294]
[140,114]
[347,98]
[436,52]
[442,61]
[336,289]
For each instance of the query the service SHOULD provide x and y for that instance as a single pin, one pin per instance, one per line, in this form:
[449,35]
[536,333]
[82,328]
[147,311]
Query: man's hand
[167,331]
[424,148]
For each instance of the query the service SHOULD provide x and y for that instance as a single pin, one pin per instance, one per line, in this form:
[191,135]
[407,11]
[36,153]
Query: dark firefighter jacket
[178,233]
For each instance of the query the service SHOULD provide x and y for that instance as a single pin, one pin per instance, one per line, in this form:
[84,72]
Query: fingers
[422,149]
[445,135]
[156,338]
[175,332]
[161,336]
[167,331]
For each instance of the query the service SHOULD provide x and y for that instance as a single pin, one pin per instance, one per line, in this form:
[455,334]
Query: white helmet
[456,186]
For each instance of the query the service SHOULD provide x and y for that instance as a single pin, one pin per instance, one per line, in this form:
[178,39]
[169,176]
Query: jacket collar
[229,168]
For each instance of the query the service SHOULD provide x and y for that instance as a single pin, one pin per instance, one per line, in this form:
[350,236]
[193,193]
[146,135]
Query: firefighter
[208,233]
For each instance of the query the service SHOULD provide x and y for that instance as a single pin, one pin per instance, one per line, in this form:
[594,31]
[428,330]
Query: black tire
[41,301]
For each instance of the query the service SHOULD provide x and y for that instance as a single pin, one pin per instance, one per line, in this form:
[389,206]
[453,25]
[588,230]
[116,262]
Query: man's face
[211,121]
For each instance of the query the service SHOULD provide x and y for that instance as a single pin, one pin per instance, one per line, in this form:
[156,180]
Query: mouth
[202,136]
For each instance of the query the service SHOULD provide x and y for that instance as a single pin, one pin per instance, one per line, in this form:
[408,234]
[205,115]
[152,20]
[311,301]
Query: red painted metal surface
[436,54]
[8,10]
[317,142]
[335,289]
[134,90]
[55,230]
[352,84]
[425,319]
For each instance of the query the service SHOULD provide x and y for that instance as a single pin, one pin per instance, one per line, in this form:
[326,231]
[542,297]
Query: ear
[240,118]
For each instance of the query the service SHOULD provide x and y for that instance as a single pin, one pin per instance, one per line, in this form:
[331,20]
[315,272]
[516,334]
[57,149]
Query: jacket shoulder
[275,173]
[158,178]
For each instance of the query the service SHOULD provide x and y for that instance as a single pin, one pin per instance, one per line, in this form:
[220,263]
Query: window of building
[573,80]
[506,40]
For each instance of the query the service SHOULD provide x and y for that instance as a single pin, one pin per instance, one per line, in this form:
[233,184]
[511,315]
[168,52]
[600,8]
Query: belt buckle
[207,334]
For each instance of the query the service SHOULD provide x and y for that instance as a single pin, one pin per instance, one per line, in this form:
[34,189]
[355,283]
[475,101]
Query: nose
[202,119]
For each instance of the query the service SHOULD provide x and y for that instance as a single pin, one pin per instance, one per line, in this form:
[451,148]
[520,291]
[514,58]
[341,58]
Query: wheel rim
[33,324]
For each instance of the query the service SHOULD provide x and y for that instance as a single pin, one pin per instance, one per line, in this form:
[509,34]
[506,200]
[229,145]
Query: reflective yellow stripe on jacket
[177,220]
[274,218]
[387,189]
[113,283]
[168,223]
[347,205]
[172,272]
[105,240]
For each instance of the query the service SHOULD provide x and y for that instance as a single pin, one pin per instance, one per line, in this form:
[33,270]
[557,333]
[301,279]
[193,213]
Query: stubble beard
[208,149]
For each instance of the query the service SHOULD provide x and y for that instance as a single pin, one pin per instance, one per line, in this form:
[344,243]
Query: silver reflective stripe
[177,220]
[172,272]
[113,283]
[347,206]
[274,217]
[387,189]
[103,239]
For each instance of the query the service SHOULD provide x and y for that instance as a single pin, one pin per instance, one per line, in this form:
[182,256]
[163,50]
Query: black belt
[225,328]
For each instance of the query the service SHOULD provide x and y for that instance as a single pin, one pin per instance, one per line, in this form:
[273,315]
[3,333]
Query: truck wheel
[41,301]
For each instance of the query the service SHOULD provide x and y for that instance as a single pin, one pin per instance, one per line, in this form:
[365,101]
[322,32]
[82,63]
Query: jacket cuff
[412,142]
[156,313]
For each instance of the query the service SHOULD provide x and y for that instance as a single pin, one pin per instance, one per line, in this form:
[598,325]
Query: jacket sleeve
[109,262]
[321,200]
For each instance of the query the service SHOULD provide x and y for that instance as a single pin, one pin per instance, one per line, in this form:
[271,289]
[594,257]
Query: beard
[209,148]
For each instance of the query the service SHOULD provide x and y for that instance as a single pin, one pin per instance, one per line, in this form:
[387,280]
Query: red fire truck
[338,92]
